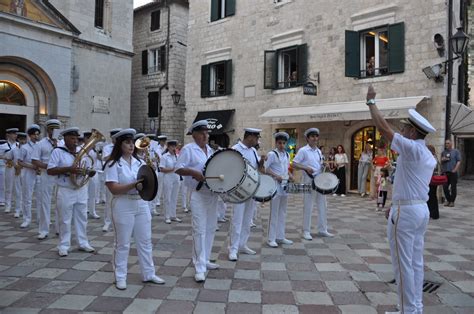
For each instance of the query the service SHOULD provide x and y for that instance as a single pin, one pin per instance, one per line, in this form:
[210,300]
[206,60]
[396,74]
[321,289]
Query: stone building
[293,64]
[158,67]
[65,59]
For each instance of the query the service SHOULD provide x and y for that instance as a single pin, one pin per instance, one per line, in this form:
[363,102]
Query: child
[383,188]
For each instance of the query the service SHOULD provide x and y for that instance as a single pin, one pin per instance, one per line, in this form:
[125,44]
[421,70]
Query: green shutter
[302,63]
[229,7]
[205,77]
[352,54]
[270,70]
[228,77]
[145,62]
[396,48]
[214,10]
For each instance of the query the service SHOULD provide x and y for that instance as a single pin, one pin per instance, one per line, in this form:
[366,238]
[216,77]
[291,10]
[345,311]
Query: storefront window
[291,145]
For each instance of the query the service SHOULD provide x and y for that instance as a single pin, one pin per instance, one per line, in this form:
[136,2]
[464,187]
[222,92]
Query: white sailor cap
[138,135]
[33,128]
[12,130]
[125,134]
[115,131]
[53,123]
[281,135]
[310,131]
[253,131]
[70,131]
[162,137]
[419,122]
[201,125]
[21,134]
[172,142]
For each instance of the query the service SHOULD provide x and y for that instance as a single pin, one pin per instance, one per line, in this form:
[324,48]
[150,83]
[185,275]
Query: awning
[462,119]
[217,120]
[392,108]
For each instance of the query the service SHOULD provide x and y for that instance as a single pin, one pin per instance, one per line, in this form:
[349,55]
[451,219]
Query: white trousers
[44,209]
[277,223]
[30,184]
[18,194]
[130,216]
[9,178]
[100,188]
[185,196]
[170,194]
[72,205]
[108,208]
[362,171]
[241,217]
[320,199]
[2,182]
[204,221]
[405,230]
[221,208]
[156,201]
[91,194]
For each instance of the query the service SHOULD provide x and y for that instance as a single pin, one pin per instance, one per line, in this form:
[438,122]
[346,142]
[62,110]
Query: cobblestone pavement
[345,274]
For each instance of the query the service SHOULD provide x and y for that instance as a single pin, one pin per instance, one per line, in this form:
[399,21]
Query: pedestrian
[433,195]
[170,181]
[382,183]
[380,161]
[365,161]
[450,163]
[341,163]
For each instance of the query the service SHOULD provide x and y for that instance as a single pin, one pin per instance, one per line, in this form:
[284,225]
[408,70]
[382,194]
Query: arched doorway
[11,95]
[366,136]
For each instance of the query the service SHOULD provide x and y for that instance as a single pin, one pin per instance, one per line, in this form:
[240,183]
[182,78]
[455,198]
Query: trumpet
[143,145]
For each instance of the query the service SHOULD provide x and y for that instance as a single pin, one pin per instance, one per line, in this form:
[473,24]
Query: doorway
[221,140]
[11,121]
[360,139]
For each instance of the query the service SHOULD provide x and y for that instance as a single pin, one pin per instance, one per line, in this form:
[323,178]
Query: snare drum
[326,183]
[296,188]
[266,190]
[241,180]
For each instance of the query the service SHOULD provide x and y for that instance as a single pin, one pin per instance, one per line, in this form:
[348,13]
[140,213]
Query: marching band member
[309,159]
[92,185]
[185,194]
[276,165]
[100,187]
[18,191]
[72,201]
[170,181]
[155,153]
[9,169]
[243,212]
[130,214]
[40,159]
[161,147]
[29,177]
[409,215]
[106,151]
[190,165]
[3,148]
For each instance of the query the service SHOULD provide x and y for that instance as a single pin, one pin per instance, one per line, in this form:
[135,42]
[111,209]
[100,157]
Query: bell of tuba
[81,160]
[143,144]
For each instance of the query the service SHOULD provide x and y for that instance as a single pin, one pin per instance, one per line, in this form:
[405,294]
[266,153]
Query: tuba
[82,179]
[143,144]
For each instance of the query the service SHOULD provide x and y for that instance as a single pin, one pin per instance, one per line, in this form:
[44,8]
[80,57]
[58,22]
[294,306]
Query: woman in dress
[341,163]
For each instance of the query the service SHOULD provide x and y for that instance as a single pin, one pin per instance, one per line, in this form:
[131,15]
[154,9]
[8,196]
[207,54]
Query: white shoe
[87,249]
[362,194]
[343,195]
[154,213]
[167,220]
[222,220]
[17,215]
[7,209]
[397,312]
[42,236]
[212,266]
[325,234]
[272,243]
[252,225]
[62,253]
[307,236]
[25,224]
[233,257]
[186,210]
[106,227]
[95,216]
[284,241]
[121,284]
[156,280]
[176,219]
[334,194]
[247,250]
[200,277]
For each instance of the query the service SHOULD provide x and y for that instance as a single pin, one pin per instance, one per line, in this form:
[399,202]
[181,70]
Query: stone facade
[172,37]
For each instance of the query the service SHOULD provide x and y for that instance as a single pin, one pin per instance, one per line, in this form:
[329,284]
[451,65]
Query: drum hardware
[220,177]
[266,190]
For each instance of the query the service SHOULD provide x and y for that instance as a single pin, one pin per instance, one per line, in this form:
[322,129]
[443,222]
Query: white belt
[129,196]
[408,202]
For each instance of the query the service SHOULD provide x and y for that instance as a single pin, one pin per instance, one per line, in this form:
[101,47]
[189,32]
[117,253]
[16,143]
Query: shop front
[218,122]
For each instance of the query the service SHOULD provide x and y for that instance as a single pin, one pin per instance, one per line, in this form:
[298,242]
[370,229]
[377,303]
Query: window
[285,67]
[155,20]
[216,79]
[221,9]
[154,60]
[375,52]
[99,14]
[11,94]
[153,104]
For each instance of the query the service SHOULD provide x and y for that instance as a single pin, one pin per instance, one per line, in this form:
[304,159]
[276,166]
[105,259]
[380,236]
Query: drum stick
[220,177]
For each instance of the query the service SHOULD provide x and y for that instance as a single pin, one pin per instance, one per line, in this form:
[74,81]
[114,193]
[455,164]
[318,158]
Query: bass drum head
[226,162]
[326,183]
[266,190]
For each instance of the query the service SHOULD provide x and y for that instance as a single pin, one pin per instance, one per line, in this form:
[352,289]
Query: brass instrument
[9,163]
[143,144]
[18,169]
[82,164]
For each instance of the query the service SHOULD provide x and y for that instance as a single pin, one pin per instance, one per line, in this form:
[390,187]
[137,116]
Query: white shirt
[26,152]
[249,153]
[310,157]
[278,163]
[7,150]
[365,158]
[122,172]
[43,150]
[61,158]
[193,157]
[415,165]
[169,161]
[341,159]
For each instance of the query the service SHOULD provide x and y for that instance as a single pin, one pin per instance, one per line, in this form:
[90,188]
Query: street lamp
[176,97]
[459,42]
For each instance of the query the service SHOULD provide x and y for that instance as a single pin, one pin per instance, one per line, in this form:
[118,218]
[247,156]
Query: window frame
[100,25]
[152,69]
[278,68]
[221,9]
[157,14]
[207,74]
[363,52]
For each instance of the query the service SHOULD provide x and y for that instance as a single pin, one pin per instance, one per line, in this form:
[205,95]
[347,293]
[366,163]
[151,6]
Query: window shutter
[145,62]
[396,48]
[270,70]
[228,77]
[302,63]
[155,20]
[352,54]
[214,10]
[163,58]
[153,103]
[205,77]
[229,7]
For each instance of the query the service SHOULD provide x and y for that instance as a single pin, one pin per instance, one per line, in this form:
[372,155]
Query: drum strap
[256,157]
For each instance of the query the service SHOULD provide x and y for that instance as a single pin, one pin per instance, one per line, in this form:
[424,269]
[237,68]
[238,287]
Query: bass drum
[326,183]
[240,181]
[266,190]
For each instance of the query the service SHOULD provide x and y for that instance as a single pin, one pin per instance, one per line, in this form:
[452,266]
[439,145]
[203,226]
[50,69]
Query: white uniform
[9,175]
[42,153]
[92,185]
[160,150]
[17,190]
[313,158]
[130,215]
[171,184]
[409,217]
[203,204]
[100,186]
[278,162]
[155,154]
[29,181]
[3,147]
[107,150]
[243,212]
[72,202]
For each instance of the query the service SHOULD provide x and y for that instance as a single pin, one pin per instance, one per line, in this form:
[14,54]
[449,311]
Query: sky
[137,3]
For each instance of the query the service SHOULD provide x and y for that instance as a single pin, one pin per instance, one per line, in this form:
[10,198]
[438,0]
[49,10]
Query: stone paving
[345,274]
